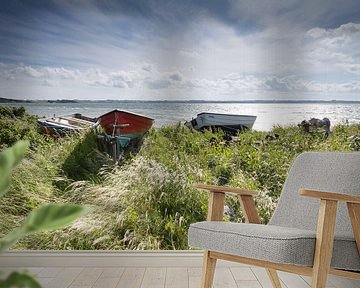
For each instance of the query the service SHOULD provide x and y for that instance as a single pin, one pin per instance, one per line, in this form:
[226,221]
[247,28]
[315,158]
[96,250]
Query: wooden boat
[124,123]
[62,125]
[227,122]
[121,128]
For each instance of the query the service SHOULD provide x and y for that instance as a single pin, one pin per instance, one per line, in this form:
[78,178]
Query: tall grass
[46,170]
[148,202]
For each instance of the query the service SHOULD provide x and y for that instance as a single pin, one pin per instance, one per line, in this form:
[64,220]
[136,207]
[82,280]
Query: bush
[17,125]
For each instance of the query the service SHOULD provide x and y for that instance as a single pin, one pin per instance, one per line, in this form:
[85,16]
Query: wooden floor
[150,272]
[171,277]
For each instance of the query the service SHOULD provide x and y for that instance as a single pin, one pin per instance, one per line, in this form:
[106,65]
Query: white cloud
[334,50]
[339,34]
[49,83]
[176,76]
[291,84]
[159,84]
[164,84]
[147,67]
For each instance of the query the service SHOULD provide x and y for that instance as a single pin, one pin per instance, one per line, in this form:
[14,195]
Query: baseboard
[64,258]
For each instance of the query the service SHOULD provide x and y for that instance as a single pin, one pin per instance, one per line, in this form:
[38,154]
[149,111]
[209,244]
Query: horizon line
[4,100]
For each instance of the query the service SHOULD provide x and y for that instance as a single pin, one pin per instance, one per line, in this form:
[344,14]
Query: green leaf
[4,182]
[11,238]
[9,158]
[47,217]
[52,216]
[12,156]
[18,151]
[19,279]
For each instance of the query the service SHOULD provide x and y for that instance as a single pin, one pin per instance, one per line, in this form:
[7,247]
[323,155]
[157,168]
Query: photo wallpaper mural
[256,83]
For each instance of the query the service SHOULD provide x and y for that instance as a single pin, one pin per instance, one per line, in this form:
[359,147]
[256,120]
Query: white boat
[228,122]
[62,125]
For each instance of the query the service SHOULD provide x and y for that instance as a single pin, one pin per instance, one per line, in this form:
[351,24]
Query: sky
[180,50]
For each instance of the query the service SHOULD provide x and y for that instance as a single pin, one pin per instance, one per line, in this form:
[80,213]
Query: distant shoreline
[8,100]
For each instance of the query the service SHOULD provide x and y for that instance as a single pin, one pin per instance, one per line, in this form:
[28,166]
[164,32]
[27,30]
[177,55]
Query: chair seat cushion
[270,243]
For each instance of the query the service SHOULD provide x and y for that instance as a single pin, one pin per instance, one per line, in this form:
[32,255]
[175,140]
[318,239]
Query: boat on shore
[125,123]
[62,125]
[231,123]
[122,128]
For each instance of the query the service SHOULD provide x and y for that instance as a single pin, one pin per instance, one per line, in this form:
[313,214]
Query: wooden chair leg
[354,212]
[208,271]
[215,213]
[324,243]
[274,278]
[252,216]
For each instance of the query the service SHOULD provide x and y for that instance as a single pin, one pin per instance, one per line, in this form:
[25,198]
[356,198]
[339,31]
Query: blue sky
[180,50]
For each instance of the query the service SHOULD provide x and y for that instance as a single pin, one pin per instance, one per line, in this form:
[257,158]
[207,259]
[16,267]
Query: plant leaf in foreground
[11,238]
[47,217]
[9,158]
[52,216]
[18,279]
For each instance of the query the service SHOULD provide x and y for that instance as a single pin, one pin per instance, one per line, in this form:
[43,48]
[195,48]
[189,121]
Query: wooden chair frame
[324,235]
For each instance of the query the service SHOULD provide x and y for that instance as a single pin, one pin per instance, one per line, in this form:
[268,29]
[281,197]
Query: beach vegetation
[147,202]
[46,217]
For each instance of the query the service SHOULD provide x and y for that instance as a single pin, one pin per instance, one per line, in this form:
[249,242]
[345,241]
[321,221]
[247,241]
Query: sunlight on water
[166,113]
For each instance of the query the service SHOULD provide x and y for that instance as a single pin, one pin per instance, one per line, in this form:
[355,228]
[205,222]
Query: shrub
[17,125]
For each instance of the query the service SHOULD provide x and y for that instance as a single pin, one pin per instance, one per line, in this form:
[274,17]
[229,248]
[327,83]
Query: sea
[172,112]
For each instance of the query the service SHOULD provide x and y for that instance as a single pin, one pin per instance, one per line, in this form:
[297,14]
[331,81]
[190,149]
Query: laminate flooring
[167,277]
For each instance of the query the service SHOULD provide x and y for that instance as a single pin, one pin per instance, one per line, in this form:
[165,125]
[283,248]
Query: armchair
[312,232]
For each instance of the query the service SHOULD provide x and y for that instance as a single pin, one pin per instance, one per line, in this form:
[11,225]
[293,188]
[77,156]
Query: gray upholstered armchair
[315,229]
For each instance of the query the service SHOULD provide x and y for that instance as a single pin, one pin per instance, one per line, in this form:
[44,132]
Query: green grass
[147,202]
[47,169]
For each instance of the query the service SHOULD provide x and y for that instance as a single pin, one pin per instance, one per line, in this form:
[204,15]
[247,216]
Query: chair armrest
[328,204]
[330,196]
[223,189]
[216,202]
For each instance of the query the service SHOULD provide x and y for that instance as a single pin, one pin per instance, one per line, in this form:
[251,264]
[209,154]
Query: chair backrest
[326,171]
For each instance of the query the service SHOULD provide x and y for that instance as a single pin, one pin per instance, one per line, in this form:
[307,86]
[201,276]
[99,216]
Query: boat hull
[227,122]
[122,129]
[123,123]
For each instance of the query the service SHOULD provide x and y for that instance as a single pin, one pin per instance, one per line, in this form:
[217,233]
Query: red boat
[124,123]
[121,128]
